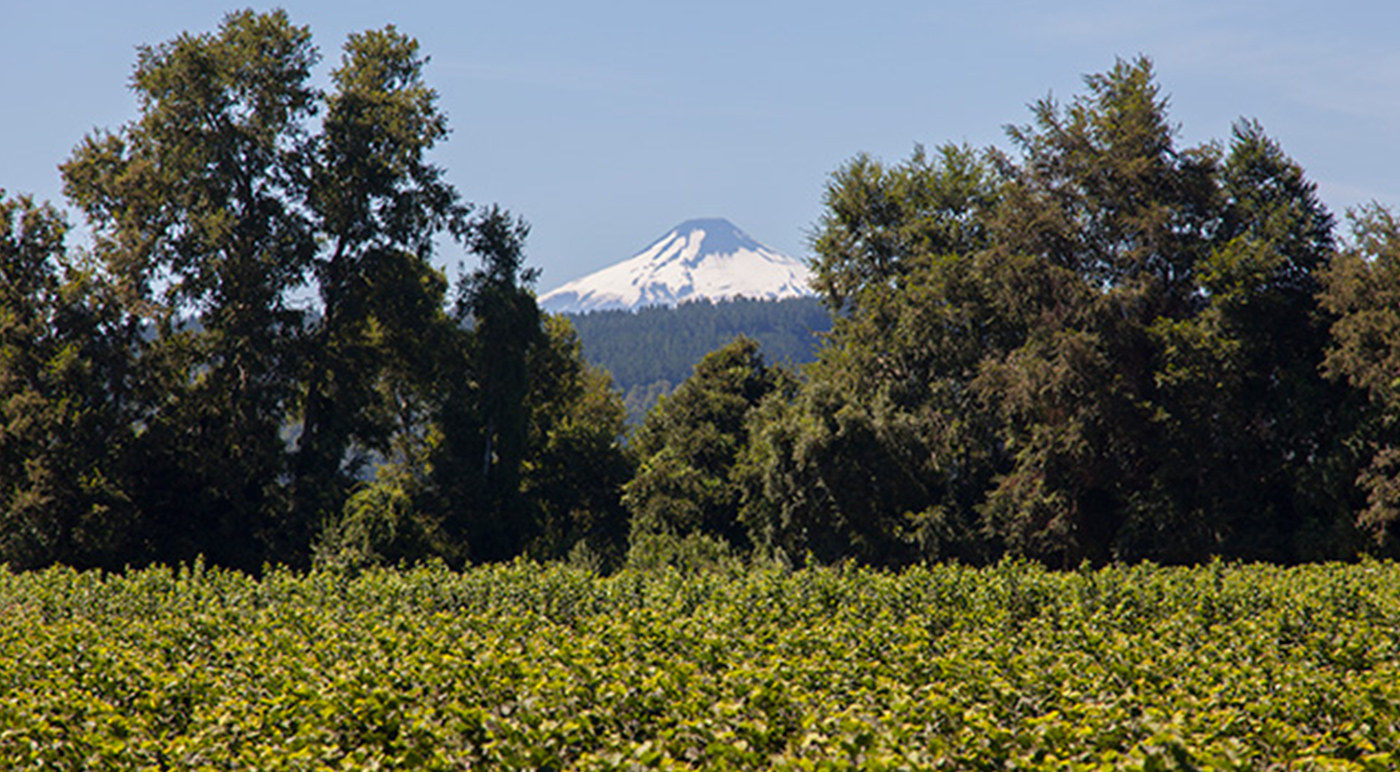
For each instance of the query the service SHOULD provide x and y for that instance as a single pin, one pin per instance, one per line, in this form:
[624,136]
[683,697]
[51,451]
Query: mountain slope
[650,351]
[710,259]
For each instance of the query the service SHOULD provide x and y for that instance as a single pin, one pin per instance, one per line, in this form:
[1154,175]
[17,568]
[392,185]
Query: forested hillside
[1094,345]
[650,351]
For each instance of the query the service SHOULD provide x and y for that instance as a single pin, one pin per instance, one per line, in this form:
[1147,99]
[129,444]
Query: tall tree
[486,419]
[885,452]
[1261,429]
[1103,348]
[196,206]
[1113,407]
[576,464]
[378,204]
[218,212]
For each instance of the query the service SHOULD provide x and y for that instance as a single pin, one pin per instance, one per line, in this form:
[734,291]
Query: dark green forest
[650,351]
[1091,345]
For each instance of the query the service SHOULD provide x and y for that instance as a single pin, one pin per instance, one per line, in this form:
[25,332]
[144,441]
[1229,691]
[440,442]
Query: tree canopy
[1102,347]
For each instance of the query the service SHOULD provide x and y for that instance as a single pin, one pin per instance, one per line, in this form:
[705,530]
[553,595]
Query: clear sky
[606,123]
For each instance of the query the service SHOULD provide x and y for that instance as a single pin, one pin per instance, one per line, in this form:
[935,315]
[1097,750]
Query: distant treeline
[652,350]
[1100,347]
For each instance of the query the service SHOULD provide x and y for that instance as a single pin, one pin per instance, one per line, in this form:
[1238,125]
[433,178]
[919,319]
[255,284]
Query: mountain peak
[708,258]
[720,235]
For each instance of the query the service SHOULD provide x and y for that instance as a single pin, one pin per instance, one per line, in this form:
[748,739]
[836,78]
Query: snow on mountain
[709,259]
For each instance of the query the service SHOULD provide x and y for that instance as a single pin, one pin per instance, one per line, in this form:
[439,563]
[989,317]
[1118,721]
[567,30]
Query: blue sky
[606,123]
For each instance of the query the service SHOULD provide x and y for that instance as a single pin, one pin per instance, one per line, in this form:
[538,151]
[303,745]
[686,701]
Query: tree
[1105,348]
[63,427]
[485,420]
[576,466]
[650,350]
[689,447]
[1192,348]
[217,212]
[369,356]
[1362,290]
[519,449]
[877,218]
[1105,200]
[885,452]
[196,207]
[1262,425]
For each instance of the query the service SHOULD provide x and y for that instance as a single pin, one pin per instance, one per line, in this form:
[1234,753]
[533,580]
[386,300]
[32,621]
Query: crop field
[532,667]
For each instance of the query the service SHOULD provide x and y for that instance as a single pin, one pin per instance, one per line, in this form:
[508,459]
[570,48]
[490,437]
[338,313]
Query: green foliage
[372,359]
[1105,199]
[63,422]
[886,449]
[1102,348]
[380,526]
[576,468]
[195,205]
[173,396]
[691,553]
[526,667]
[484,416]
[1363,291]
[689,447]
[877,218]
[468,483]
[1191,352]
[1105,349]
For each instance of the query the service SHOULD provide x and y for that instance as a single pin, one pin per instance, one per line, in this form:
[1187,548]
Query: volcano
[708,259]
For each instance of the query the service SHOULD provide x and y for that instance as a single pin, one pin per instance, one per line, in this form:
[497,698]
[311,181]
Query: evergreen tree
[651,350]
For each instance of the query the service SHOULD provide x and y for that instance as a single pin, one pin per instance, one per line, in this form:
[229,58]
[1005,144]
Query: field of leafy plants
[530,667]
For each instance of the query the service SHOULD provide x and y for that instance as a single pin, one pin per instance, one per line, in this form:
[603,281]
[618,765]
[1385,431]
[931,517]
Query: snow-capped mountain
[697,259]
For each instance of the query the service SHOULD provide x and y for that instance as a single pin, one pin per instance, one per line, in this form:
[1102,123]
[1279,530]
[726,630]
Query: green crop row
[530,667]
